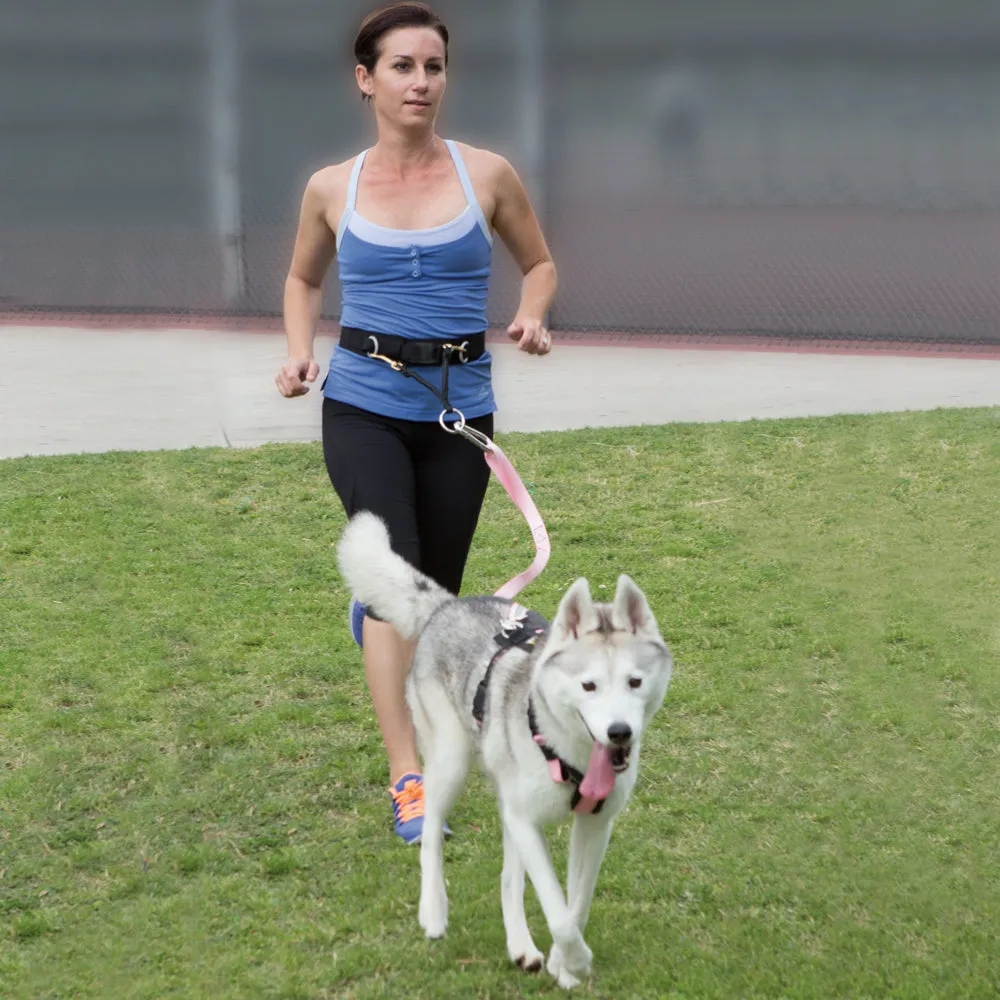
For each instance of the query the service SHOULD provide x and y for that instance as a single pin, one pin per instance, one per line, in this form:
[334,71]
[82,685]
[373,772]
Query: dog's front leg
[520,946]
[588,842]
[574,955]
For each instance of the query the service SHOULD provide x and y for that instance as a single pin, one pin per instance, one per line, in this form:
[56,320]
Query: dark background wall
[769,166]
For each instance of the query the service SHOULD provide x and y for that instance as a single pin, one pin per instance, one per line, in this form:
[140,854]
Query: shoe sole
[419,837]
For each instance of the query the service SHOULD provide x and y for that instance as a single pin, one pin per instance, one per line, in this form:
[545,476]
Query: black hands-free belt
[413,352]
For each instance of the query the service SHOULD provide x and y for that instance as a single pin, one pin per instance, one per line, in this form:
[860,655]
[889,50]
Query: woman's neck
[402,152]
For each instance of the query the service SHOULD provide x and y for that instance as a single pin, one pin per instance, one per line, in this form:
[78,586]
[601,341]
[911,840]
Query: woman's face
[408,83]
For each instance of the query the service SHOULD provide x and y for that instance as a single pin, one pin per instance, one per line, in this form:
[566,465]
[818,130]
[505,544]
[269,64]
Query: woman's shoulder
[493,175]
[326,191]
[331,181]
[485,163]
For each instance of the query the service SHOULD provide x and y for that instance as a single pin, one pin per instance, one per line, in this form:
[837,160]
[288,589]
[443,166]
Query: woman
[411,221]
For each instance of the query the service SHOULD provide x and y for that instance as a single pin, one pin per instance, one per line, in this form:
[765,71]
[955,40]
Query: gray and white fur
[600,674]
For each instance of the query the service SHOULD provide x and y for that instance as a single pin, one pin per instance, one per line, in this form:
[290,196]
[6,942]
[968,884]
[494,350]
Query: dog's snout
[619,733]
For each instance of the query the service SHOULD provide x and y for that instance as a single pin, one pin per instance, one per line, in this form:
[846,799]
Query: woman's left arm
[515,223]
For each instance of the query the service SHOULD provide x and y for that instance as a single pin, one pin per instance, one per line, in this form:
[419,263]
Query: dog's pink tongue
[599,781]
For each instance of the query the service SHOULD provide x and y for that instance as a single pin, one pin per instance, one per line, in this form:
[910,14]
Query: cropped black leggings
[427,485]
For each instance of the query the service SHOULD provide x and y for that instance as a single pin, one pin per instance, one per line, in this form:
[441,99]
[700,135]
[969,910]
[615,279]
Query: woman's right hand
[292,377]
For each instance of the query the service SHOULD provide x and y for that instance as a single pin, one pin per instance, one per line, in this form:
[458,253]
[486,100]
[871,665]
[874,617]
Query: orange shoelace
[409,801]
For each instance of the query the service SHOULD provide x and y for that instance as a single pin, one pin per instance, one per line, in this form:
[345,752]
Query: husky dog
[556,712]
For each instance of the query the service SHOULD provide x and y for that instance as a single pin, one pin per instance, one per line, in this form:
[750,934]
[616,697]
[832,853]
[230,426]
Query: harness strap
[479,702]
[523,629]
[563,771]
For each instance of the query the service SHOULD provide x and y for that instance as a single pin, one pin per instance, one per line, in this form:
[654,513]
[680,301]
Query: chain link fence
[775,167]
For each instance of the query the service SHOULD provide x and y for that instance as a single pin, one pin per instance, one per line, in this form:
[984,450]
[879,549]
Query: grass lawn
[193,796]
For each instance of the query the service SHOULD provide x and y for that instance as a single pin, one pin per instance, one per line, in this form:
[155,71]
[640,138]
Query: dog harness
[523,628]
[520,628]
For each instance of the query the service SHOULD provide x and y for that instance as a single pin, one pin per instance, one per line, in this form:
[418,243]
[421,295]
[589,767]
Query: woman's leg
[371,468]
[451,477]
[387,657]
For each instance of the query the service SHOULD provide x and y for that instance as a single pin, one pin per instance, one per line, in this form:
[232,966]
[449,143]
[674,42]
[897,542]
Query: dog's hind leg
[447,747]
[520,946]
[568,944]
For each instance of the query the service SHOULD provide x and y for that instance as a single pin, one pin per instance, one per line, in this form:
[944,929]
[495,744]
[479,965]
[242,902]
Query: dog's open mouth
[619,758]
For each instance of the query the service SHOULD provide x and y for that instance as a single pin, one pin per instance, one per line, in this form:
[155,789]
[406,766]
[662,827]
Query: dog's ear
[576,613]
[630,611]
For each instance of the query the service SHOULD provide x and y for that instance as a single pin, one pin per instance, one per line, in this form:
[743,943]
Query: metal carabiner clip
[478,438]
[396,366]
[460,349]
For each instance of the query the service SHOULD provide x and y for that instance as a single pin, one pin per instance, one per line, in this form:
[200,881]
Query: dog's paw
[434,925]
[525,955]
[571,959]
[433,913]
[557,969]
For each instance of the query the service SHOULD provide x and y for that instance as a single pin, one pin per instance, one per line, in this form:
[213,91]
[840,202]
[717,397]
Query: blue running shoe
[356,617]
[408,808]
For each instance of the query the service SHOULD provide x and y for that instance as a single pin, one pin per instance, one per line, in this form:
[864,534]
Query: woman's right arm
[315,247]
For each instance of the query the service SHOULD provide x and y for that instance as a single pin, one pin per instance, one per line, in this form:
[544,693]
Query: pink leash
[495,459]
[517,491]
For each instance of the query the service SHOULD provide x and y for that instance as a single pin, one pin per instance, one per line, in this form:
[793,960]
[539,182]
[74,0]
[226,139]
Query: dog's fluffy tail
[383,581]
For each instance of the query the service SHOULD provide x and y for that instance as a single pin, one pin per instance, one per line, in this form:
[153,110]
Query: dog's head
[606,666]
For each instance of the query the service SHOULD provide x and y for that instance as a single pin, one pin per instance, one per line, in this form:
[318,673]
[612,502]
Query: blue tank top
[420,284]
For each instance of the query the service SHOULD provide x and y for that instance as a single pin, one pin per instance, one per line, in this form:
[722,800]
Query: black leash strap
[448,354]
[442,394]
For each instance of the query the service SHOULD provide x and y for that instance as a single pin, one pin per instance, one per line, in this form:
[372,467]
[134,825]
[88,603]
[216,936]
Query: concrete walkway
[69,390]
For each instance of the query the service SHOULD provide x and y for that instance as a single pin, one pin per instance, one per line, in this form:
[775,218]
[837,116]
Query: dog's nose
[619,733]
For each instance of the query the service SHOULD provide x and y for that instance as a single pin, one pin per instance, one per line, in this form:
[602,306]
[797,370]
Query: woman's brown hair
[408,14]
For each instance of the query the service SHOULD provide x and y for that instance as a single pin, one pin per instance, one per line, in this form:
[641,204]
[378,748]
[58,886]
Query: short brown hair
[408,14]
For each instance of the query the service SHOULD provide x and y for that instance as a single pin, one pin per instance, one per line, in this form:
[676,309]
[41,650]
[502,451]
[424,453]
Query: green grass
[193,791]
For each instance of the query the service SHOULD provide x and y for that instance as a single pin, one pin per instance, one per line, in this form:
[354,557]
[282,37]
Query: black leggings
[427,485]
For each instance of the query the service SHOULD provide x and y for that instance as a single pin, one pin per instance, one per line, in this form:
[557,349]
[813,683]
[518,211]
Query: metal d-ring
[478,438]
[459,424]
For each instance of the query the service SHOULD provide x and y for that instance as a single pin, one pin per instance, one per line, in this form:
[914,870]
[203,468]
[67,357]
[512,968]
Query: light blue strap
[470,194]
[352,197]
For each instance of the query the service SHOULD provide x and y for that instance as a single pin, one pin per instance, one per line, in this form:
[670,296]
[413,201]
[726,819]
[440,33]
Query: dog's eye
[589,686]
[635,682]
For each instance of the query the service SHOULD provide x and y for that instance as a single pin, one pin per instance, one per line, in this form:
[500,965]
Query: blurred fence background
[766,166]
